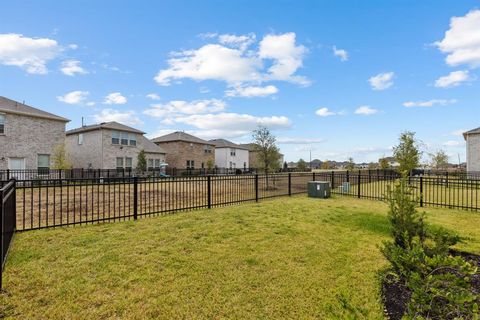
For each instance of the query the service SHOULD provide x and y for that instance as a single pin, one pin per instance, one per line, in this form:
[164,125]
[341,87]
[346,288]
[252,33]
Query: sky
[336,79]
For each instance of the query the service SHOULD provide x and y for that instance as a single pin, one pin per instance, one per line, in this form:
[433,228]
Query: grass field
[283,258]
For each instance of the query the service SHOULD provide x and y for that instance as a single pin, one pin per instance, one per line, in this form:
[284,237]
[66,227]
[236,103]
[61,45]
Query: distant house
[185,151]
[28,136]
[230,155]
[253,158]
[472,138]
[110,145]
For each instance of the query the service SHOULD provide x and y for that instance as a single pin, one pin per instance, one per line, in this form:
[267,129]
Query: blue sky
[339,78]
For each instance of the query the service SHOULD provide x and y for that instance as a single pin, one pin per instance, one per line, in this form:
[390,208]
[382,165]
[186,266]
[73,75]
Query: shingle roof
[473,131]
[249,146]
[105,125]
[12,106]
[180,136]
[222,143]
[151,147]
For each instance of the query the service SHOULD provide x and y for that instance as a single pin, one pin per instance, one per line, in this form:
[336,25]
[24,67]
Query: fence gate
[7,221]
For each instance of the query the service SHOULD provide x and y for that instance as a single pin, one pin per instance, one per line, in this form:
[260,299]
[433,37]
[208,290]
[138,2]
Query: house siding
[239,161]
[473,152]
[178,152]
[27,137]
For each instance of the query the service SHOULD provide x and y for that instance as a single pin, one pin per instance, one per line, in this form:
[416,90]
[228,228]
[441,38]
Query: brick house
[28,136]
[253,156]
[185,151]
[230,155]
[110,145]
[472,138]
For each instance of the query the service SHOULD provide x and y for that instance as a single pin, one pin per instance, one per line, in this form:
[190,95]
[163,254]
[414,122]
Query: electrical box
[319,189]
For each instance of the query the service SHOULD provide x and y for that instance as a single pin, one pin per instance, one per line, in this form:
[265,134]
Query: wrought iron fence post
[333,179]
[289,184]
[421,191]
[313,176]
[359,180]
[256,188]
[348,176]
[135,198]
[1,236]
[209,192]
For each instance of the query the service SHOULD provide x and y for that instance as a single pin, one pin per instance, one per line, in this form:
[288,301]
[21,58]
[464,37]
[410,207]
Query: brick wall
[178,152]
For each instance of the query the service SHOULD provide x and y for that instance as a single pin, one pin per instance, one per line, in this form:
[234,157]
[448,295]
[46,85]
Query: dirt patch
[396,295]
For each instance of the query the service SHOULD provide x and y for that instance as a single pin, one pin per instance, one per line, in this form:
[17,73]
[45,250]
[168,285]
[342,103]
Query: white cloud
[341,53]
[74,97]
[253,91]
[458,132]
[242,42]
[462,41]
[230,125]
[453,79]
[286,140]
[429,103]
[382,81]
[366,110]
[153,96]
[324,112]
[179,107]
[228,61]
[115,98]
[126,117]
[90,104]
[27,53]
[72,67]
[453,143]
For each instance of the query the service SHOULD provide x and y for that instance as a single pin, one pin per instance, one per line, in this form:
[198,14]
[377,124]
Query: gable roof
[112,125]
[249,146]
[223,143]
[180,136]
[151,147]
[15,107]
[473,131]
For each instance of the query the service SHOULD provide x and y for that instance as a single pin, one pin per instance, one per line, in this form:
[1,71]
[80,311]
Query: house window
[124,138]
[119,163]
[157,163]
[80,138]
[190,164]
[115,137]
[128,163]
[2,123]
[203,165]
[150,163]
[232,152]
[208,148]
[133,139]
[43,162]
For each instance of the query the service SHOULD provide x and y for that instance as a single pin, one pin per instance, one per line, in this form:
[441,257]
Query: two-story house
[185,151]
[253,156]
[472,138]
[110,145]
[28,136]
[230,155]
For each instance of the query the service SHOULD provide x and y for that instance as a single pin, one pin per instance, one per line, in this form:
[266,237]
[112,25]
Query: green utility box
[319,189]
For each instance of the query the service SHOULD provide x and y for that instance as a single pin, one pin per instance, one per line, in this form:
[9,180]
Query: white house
[230,155]
[472,138]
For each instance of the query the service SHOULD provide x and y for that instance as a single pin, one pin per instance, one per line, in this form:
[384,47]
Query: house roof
[151,147]
[180,136]
[473,131]
[222,143]
[15,107]
[105,125]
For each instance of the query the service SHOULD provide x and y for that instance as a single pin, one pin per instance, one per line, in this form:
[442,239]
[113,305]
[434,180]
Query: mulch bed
[396,295]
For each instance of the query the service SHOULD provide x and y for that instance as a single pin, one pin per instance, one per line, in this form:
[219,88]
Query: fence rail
[7,221]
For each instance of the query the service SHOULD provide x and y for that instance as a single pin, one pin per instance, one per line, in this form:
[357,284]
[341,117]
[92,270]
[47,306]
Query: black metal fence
[7,221]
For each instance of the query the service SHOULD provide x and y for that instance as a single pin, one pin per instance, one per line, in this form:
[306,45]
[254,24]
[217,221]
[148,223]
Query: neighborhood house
[185,151]
[110,145]
[28,136]
[472,138]
[230,155]
[253,156]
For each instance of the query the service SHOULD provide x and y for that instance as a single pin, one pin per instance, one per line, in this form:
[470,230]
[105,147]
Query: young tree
[325,165]
[285,165]
[439,159]
[141,161]
[350,164]
[383,163]
[59,159]
[407,153]
[210,164]
[266,148]
[301,165]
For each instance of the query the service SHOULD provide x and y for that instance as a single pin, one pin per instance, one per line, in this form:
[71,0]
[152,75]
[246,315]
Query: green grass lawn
[283,258]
